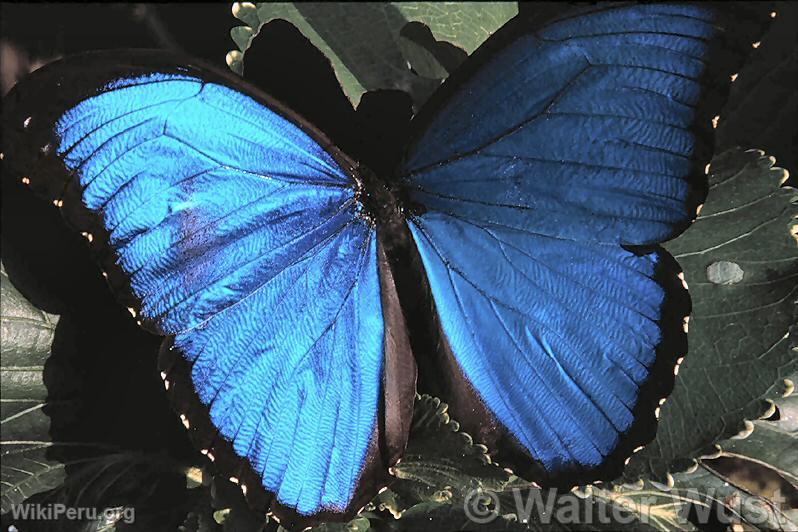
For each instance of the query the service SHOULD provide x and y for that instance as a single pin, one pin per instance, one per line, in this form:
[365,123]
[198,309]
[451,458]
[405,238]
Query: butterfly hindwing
[556,337]
[230,226]
[543,177]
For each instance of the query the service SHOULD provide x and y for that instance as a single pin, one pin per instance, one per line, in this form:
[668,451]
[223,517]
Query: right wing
[542,177]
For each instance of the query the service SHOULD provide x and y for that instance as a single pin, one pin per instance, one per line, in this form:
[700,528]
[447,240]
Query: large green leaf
[771,443]
[128,492]
[38,469]
[367,46]
[520,506]
[27,334]
[32,462]
[740,261]
[694,499]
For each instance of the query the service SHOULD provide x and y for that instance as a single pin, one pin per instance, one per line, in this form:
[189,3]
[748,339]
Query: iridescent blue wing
[532,176]
[229,225]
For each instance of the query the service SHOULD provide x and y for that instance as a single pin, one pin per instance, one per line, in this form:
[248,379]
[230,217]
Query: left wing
[230,225]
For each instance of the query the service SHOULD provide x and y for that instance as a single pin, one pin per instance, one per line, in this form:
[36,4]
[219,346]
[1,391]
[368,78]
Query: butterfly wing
[537,176]
[229,225]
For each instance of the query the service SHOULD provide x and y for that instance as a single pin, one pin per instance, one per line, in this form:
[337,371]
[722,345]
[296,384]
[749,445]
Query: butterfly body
[513,253]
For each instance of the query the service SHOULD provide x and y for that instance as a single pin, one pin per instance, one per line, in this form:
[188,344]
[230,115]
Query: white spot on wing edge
[678,364]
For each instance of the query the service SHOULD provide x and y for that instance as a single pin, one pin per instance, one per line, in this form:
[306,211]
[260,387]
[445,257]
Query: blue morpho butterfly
[526,213]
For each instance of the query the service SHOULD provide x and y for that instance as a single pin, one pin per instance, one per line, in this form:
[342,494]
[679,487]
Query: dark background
[110,361]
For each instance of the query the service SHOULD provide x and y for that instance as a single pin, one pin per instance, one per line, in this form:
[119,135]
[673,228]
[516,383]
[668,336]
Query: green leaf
[27,471]
[740,261]
[463,24]
[772,444]
[27,331]
[199,518]
[27,334]
[742,505]
[358,524]
[440,463]
[428,57]
[131,491]
[230,509]
[340,30]
[700,493]
[522,507]
[79,474]
[445,481]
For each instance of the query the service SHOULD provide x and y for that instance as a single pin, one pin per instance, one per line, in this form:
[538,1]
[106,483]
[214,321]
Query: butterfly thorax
[380,200]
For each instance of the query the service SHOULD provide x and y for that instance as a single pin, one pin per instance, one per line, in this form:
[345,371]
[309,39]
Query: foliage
[734,394]
[741,266]
[400,54]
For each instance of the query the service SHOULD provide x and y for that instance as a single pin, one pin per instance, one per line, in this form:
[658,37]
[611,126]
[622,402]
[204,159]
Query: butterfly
[525,216]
